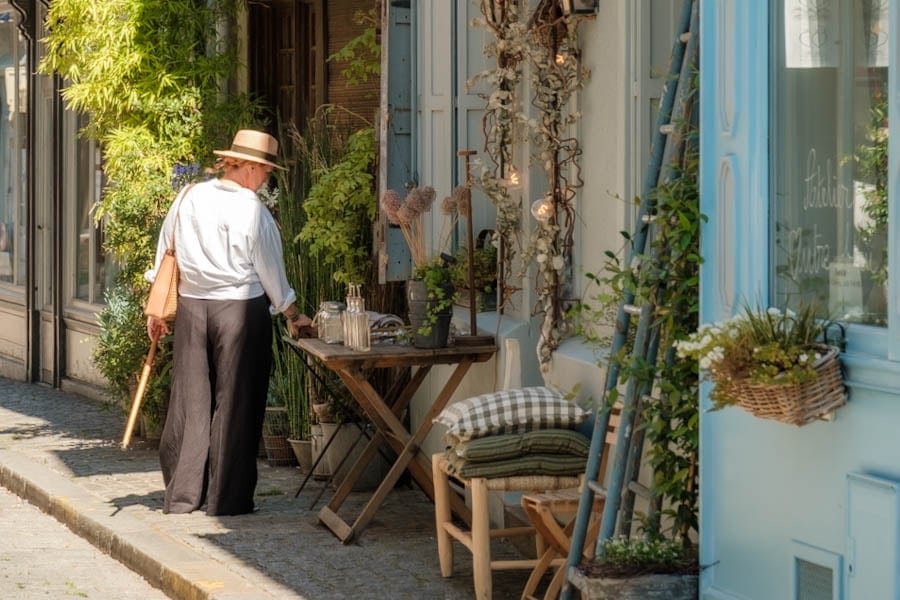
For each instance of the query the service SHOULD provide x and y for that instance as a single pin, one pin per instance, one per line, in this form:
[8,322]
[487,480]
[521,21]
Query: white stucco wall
[601,207]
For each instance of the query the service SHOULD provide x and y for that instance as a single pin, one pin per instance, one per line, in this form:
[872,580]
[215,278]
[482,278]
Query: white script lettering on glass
[821,189]
[807,255]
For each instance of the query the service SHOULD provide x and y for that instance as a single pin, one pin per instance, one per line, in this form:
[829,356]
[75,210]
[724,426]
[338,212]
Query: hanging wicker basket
[797,404]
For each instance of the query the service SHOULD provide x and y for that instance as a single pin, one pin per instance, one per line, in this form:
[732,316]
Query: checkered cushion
[509,411]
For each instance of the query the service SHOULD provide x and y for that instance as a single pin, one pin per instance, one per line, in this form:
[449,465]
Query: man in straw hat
[232,280]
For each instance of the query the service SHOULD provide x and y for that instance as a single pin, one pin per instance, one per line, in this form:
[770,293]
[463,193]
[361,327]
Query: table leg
[409,456]
[328,514]
[401,402]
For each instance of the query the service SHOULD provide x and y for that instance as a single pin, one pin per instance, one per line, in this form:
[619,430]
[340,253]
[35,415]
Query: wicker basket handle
[839,340]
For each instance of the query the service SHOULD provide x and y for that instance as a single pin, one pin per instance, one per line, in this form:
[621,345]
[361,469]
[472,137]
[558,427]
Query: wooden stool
[552,513]
[553,516]
[478,538]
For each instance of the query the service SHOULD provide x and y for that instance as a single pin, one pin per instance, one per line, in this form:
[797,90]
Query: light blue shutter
[396,166]
[436,85]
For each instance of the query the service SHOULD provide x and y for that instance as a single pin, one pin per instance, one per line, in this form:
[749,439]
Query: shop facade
[52,269]
[797,179]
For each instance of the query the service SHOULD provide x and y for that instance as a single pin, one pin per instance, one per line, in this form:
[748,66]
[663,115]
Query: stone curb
[165,562]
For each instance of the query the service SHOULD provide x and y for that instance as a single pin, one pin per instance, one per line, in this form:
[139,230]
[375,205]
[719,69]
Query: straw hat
[254,146]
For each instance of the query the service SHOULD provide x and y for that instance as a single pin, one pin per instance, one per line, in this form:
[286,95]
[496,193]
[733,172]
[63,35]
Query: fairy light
[512,180]
[542,210]
[560,58]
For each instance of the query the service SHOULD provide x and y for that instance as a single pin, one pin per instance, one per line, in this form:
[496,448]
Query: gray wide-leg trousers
[208,450]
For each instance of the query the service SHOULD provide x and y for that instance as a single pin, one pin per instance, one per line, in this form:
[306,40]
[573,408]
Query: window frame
[15,290]
[870,340]
[71,225]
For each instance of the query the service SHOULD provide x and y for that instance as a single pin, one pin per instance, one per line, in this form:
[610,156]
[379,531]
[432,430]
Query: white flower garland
[548,43]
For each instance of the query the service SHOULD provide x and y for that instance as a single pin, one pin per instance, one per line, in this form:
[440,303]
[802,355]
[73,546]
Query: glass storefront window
[94,269]
[828,157]
[13,145]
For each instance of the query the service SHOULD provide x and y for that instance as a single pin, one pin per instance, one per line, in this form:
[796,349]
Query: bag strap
[181,197]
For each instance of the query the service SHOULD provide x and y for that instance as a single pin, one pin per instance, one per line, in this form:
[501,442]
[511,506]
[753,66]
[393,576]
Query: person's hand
[300,326]
[156,328]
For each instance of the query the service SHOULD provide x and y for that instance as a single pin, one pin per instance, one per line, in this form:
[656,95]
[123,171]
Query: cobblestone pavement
[41,558]
[61,452]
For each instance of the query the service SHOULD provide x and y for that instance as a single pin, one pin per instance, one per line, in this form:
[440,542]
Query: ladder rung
[684,37]
[648,218]
[666,129]
[639,489]
[632,309]
[598,489]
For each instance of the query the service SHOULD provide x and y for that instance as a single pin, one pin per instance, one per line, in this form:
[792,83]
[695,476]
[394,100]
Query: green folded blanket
[502,447]
[530,464]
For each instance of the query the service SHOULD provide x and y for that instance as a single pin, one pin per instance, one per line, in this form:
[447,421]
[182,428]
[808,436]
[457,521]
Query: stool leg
[481,540]
[442,515]
[543,564]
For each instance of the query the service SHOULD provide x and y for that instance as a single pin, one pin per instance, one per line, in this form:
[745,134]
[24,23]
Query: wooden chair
[477,539]
[552,514]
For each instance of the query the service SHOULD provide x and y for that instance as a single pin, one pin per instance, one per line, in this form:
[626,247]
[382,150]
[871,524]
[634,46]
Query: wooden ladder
[669,138]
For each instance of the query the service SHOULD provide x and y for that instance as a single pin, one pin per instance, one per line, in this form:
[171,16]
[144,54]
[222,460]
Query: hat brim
[249,157]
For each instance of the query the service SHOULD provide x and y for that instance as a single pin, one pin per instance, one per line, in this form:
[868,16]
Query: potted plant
[774,364]
[276,427]
[484,261]
[119,354]
[635,569]
[430,291]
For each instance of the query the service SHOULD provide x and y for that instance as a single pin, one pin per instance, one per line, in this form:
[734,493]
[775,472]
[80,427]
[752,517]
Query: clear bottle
[362,330]
[356,321]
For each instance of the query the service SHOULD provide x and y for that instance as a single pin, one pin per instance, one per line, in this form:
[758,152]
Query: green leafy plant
[121,350]
[340,208]
[484,261]
[438,279]
[665,275]
[148,74]
[362,54]
[629,557]
[758,345]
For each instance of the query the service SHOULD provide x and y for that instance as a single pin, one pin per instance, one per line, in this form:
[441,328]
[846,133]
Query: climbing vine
[547,43]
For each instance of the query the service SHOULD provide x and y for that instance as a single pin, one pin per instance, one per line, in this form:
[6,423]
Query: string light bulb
[542,210]
[512,180]
[560,58]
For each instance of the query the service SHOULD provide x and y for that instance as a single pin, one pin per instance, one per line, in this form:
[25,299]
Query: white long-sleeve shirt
[227,245]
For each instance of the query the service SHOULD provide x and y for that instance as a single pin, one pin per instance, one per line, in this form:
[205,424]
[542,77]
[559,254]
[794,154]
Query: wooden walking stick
[139,394]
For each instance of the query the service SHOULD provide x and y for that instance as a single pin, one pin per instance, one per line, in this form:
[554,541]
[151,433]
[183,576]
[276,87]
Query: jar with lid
[330,326]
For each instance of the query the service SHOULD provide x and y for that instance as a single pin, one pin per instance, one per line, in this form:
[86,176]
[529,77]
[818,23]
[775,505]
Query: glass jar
[329,322]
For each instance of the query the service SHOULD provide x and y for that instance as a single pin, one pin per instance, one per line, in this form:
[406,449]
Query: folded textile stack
[527,431]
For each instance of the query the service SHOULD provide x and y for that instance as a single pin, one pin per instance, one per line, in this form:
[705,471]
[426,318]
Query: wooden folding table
[386,412]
